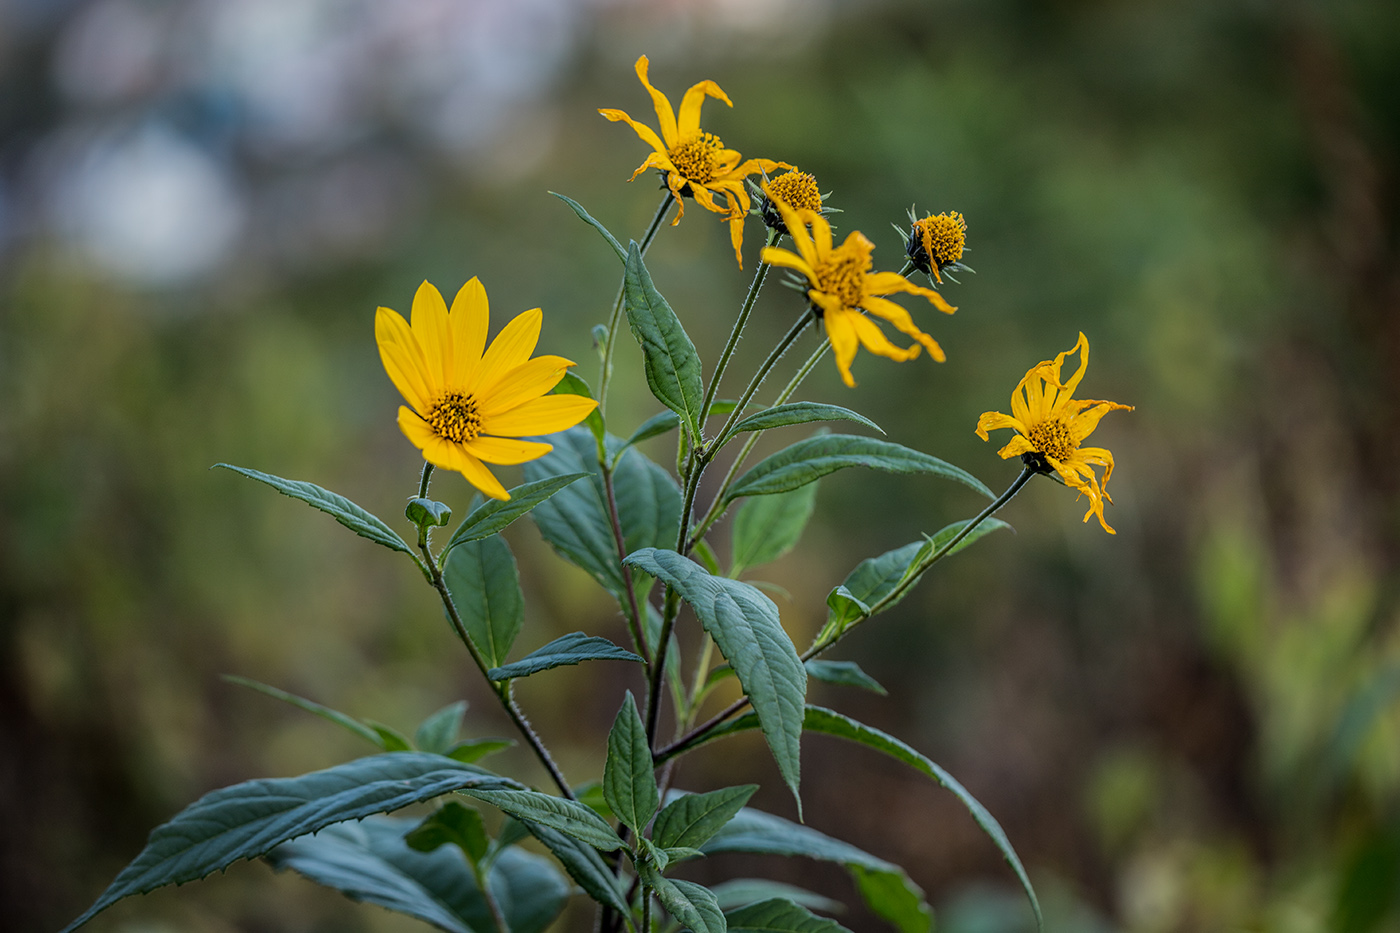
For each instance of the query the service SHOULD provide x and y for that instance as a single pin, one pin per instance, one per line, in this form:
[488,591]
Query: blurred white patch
[150,207]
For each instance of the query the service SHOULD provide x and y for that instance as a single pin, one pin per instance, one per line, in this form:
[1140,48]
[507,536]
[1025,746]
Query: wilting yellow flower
[470,402]
[695,163]
[1050,426]
[936,241]
[843,287]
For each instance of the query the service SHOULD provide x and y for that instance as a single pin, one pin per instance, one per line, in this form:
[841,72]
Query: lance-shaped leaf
[845,674]
[744,624]
[349,723]
[668,357]
[584,865]
[567,649]
[767,527]
[662,422]
[779,915]
[485,587]
[363,523]
[815,457]
[741,892]
[451,824]
[693,906]
[250,819]
[575,521]
[691,819]
[371,862]
[438,733]
[801,413]
[629,782]
[567,816]
[495,515]
[587,218]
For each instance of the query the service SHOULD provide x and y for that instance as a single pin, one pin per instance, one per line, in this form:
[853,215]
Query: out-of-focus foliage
[1190,726]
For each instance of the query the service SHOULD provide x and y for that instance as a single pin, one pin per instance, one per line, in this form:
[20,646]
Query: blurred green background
[1189,726]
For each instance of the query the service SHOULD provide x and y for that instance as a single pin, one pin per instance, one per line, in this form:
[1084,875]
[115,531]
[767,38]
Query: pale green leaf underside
[815,457]
[669,359]
[567,649]
[845,674]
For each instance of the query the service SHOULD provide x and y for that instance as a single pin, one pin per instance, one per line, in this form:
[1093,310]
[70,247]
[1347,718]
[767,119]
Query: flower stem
[762,273]
[707,454]
[633,609]
[606,378]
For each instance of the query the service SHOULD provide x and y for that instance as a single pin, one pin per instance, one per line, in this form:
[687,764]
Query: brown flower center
[842,272]
[944,236]
[1053,439]
[797,190]
[455,417]
[697,158]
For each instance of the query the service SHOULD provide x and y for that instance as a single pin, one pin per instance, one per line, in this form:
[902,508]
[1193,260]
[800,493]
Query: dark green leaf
[494,515]
[427,513]
[691,819]
[949,532]
[767,527]
[249,819]
[681,853]
[744,891]
[588,219]
[325,712]
[363,523]
[800,413]
[451,824]
[744,624]
[779,915]
[672,366]
[370,862]
[567,816]
[629,783]
[693,906]
[817,456]
[573,384]
[438,733]
[584,865]
[844,673]
[567,649]
[472,750]
[654,426]
[889,896]
[485,588]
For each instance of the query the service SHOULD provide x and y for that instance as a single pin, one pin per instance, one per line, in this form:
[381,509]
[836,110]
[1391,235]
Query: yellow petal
[736,237]
[507,451]
[415,429]
[887,283]
[540,416]
[1073,383]
[530,379]
[664,114]
[434,333]
[403,359]
[512,347]
[776,256]
[1083,424]
[657,160]
[702,196]
[843,343]
[470,318]
[900,318]
[995,421]
[874,340]
[452,456]
[688,124]
[647,134]
[1015,447]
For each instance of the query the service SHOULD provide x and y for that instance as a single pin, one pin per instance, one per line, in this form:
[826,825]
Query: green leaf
[567,816]
[575,522]
[438,733]
[948,532]
[800,413]
[693,906]
[888,896]
[471,750]
[494,515]
[672,366]
[363,523]
[390,738]
[584,865]
[744,624]
[659,424]
[485,588]
[567,649]
[757,832]
[767,527]
[741,892]
[427,513]
[629,782]
[573,384]
[370,862]
[250,819]
[845,674]
[815,457]
[779,915]
[587,218]
[325,712]
[691,819]
[676,854]
[451,824]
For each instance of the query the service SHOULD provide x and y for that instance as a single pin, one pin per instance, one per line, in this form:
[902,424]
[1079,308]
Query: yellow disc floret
[798,190]
[1053,438]
[698,158]
[842,272]
[455,417]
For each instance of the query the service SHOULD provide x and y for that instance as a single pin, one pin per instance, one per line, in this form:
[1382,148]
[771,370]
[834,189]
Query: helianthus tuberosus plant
[475,405]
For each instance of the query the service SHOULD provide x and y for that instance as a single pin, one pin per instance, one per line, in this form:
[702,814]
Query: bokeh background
[1189,726]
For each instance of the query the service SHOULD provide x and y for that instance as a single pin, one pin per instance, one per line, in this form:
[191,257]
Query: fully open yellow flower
[843,288]
[470,402]
[695,163]
[1050,426]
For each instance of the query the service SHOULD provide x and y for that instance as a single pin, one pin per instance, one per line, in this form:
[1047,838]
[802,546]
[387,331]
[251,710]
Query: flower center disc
[455,417]
[797,190]
[944,236]
[842,274]
[697,158]
[1053,439]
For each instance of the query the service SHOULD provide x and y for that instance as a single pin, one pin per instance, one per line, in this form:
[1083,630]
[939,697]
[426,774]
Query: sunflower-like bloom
[843,287]
[695,163]
[797,189]
[471,402]
[1050,426]
[936,241]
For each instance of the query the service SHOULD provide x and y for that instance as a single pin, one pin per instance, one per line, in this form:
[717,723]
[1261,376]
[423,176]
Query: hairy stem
[633,608]
[606,377]
[762,273]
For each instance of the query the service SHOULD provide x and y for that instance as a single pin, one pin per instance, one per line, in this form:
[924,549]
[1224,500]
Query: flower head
[1050,426]
[936,241]
[695,163]
[471,402]
[843,289]
[798,190]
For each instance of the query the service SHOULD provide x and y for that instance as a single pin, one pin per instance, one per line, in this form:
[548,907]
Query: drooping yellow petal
[844,342]
[470,317]
[434,332]
[777,256]
[736,238]
[664,114]
[688,124]
[887,283]
[1084,423]
[647,134]
[415,429]
[900,318]
[1015,447]
[540,416]
[512,347]
[403,358]
[529,380]
[507,451]
[450,456]
[1083,345]
[658,160]
[995,421]
[702,196]
[874,340]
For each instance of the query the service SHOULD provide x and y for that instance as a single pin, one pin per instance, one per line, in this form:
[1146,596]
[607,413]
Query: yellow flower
[936,241]
[1050,426]
[695,163]
[797,189]
[470,402]
[843,287]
